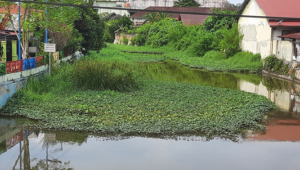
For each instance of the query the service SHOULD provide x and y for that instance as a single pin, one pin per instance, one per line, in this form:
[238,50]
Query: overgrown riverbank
[155,107]
[212,61]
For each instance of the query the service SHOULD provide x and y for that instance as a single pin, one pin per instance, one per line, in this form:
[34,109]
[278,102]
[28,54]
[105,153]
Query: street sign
[49,47]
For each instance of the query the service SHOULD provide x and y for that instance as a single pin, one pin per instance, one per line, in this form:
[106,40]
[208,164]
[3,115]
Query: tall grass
[102,75]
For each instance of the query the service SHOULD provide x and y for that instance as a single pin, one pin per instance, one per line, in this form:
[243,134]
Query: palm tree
[152,17]
[155,16]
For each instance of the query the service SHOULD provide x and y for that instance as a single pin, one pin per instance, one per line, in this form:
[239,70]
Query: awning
[284,23]
[291,36]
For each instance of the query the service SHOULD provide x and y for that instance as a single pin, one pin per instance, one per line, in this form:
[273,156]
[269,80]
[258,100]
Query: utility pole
[46,31]
[19,46]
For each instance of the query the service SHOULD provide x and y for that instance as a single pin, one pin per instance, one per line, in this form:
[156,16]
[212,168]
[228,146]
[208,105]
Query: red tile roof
[280,8]
[7,33]
[291,36]
[187,19]
[285,23]
[13,9]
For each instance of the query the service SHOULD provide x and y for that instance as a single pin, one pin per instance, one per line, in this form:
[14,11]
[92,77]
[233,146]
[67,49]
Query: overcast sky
[235,1]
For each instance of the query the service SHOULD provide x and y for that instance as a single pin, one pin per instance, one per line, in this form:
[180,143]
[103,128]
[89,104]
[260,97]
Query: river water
[276,149]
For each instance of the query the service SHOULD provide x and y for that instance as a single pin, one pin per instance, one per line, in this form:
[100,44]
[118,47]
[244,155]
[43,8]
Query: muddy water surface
[276,149]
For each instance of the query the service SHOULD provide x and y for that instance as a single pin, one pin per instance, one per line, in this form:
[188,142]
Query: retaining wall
[10,83]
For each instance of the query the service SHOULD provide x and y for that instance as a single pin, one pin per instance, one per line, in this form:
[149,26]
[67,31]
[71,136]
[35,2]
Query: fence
[14,66]
[21,65]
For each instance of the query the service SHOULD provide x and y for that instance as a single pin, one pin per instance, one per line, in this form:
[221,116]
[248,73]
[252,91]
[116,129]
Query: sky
[235,1]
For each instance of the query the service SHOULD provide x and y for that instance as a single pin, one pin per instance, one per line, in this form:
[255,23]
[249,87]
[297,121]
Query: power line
[145,10]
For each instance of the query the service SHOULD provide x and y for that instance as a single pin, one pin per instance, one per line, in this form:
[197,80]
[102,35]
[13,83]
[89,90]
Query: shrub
[214,55]
[230,40]
[100,75]
[273,64]
[124,40]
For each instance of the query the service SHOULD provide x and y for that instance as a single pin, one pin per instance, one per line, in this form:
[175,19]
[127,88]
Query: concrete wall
[256,31]
[285,50]
[26,73]
[10,83]
[119,38]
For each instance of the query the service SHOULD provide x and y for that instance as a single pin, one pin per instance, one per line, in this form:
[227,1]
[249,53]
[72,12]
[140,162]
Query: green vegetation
[155,17]
[71,99]
[99,75]
[212,61]
[124,40]
[122,25]
[214,23]
[186,3]
[158,107]
[214,46]
[91,27]
[273,64]
[2,68]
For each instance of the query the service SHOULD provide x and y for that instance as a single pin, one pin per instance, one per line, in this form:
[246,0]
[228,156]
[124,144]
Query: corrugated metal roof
[280,8]
[291,36]
[165,9]
[285,23]
[188,19]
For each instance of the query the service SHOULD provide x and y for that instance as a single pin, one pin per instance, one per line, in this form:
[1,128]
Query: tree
[186,3]
[91,27]
[155,17]
[214,23]
[123,24]
[30,20]
[59,20]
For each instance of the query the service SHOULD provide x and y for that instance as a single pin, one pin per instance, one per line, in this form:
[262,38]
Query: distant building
[187,19]
[142,4]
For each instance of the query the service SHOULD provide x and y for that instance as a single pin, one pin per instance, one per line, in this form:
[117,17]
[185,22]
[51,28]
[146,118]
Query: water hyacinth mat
[157,107]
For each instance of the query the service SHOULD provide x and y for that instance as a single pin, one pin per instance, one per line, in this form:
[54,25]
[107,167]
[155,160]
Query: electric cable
[146,10]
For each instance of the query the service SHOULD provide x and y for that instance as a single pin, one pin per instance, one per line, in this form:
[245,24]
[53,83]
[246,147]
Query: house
[187,19]
[142,4]
[265,36]
[8,36]
[112,3]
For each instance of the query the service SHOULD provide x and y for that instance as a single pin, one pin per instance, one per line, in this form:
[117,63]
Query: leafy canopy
[186,3]
[214,23]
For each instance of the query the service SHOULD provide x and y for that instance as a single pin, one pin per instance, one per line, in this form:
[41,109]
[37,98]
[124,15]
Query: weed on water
[157,107]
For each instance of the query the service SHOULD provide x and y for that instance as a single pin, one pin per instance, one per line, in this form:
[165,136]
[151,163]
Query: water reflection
[285,95]
[276,149]
[54,150]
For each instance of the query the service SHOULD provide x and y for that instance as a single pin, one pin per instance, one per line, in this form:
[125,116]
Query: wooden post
[295,49]
[3,44]
[14,50]
[49,63]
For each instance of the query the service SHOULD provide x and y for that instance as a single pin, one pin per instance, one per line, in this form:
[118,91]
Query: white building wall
[142,4]
[256,31]
[111,4]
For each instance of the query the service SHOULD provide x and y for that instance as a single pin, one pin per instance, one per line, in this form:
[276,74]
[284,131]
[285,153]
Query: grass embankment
[212,60]
[59,101]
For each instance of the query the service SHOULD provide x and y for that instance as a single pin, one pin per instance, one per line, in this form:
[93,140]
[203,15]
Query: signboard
[49,47]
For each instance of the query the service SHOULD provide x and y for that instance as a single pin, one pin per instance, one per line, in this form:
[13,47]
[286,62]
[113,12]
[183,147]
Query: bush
[214,55]
[230,40]
[273,64]
[124,40]
[100,75]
